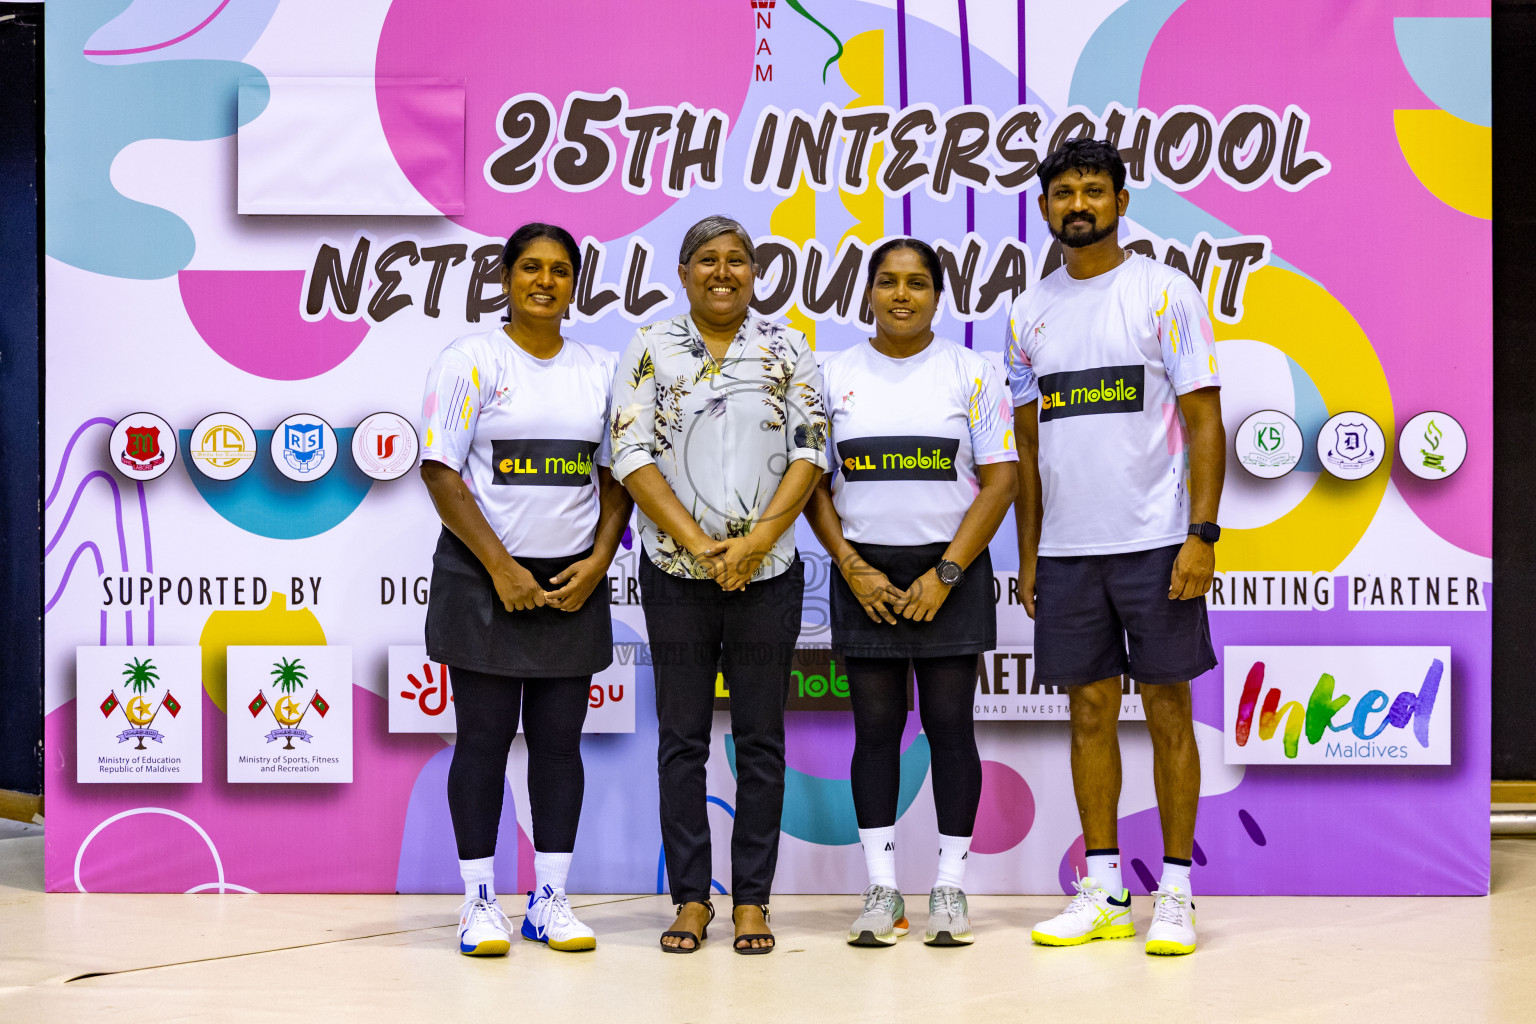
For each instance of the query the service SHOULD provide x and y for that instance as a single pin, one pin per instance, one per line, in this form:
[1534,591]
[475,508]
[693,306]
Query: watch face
[950,573]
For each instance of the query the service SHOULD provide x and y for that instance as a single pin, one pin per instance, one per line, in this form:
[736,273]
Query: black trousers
[697,629]
[487,707]
[946,694]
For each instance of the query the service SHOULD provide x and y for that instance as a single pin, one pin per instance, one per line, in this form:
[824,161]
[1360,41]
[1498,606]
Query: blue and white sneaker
[550,920]
[483,929]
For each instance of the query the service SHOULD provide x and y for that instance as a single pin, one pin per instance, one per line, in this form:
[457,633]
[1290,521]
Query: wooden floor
[120,958]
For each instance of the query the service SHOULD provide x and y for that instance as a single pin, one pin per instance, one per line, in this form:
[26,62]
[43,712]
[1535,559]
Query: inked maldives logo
[1339,700]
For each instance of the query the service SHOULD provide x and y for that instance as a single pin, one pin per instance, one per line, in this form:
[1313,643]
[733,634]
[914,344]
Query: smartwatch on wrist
[950,574]
[1208,532]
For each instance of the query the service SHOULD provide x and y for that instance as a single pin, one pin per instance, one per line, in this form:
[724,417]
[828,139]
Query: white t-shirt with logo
[907,436]
[1108,357]
[525,434]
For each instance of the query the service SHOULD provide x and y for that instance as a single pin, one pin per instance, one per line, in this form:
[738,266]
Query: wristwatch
[950,574]
[1208,532]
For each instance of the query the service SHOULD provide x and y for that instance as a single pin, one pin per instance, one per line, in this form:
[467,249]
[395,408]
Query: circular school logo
[385,446]
[223,446]
[304,447]
[1432,445]
[142,446]
[1351,445]
[1268,444]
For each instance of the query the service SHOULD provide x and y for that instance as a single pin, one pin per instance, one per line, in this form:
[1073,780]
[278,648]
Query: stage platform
[68,957]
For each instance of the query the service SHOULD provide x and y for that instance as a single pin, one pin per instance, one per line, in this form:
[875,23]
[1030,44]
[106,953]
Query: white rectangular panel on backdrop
[421,693]
[127,695]
[318,146]
[1337,705]
[282,694]
[1006,691]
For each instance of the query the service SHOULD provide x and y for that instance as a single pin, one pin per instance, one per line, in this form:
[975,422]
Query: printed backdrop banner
[1320,169]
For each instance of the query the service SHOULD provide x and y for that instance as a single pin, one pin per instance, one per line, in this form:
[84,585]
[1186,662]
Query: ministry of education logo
[304,447]
[1350,445]
[1268,444]
[138,712]
[142,446]
[130,723]
[223,446]
[385,446]
[1432,445]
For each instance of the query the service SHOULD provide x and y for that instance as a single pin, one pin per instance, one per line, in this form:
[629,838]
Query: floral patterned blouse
[722,434]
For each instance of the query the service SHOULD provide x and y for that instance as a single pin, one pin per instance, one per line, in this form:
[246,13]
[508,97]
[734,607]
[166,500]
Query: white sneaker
[483,929]
[1092,914]
[1173,923]
[550,920]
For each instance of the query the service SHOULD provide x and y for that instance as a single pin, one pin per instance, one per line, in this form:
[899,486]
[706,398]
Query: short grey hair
[709,229]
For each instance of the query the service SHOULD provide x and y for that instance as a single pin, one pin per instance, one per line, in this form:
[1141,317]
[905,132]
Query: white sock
[1104,868]
[1175,874]
[479,878]
[880,854]
[550,869]
[953,852]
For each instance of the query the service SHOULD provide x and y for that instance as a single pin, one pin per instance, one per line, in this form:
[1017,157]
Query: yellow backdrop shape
[1301,319]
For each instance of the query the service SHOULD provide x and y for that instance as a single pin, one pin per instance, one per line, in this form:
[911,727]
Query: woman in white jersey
[921,477]
[516,463]
[719,434]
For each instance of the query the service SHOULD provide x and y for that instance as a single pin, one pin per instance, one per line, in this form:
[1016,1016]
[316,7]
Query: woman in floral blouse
[720,435]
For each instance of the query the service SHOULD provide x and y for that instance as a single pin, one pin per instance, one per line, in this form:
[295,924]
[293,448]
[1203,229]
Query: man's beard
[1080,241]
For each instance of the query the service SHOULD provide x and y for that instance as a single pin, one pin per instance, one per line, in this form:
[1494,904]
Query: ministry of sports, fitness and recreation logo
[280,688]
[1350,445]
[304,447]
[223,446]
[142,446]
[385,446]
[138,711]
[1268,444]
[286,711]
[1433,445]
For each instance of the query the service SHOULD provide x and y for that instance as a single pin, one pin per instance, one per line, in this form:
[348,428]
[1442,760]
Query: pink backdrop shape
[1415,273]
[251,319]
[502,49]
[271,838]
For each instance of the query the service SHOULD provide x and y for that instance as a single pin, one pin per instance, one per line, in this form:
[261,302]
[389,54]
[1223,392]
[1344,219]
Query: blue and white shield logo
[1350,441]
[304,446]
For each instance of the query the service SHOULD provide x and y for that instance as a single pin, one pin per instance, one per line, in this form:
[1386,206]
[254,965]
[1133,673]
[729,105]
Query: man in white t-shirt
[1117,411]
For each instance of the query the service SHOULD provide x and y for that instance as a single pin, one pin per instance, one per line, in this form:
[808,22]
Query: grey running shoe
[883,921]
[949,918]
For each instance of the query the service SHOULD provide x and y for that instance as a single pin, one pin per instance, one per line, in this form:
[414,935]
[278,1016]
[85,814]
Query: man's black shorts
[1088,606]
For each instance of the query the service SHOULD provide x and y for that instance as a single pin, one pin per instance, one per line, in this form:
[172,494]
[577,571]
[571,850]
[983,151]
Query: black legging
[486,707]
[946,689]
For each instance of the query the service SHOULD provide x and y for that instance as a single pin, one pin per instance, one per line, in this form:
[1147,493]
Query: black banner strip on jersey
[541,462]
[1090,392]
[898,458]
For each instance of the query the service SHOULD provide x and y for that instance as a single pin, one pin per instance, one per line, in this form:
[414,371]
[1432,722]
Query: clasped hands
[883,601]
[731,562]
[520,591]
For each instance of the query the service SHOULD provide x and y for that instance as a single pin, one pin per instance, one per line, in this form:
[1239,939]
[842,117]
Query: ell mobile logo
[1337,700]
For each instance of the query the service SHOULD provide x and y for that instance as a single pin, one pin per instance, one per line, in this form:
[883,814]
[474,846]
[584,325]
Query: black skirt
[966,623]
[468,627]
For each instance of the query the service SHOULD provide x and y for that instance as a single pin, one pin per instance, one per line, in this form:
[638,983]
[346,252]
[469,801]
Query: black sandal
[698,940]
[750,950]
